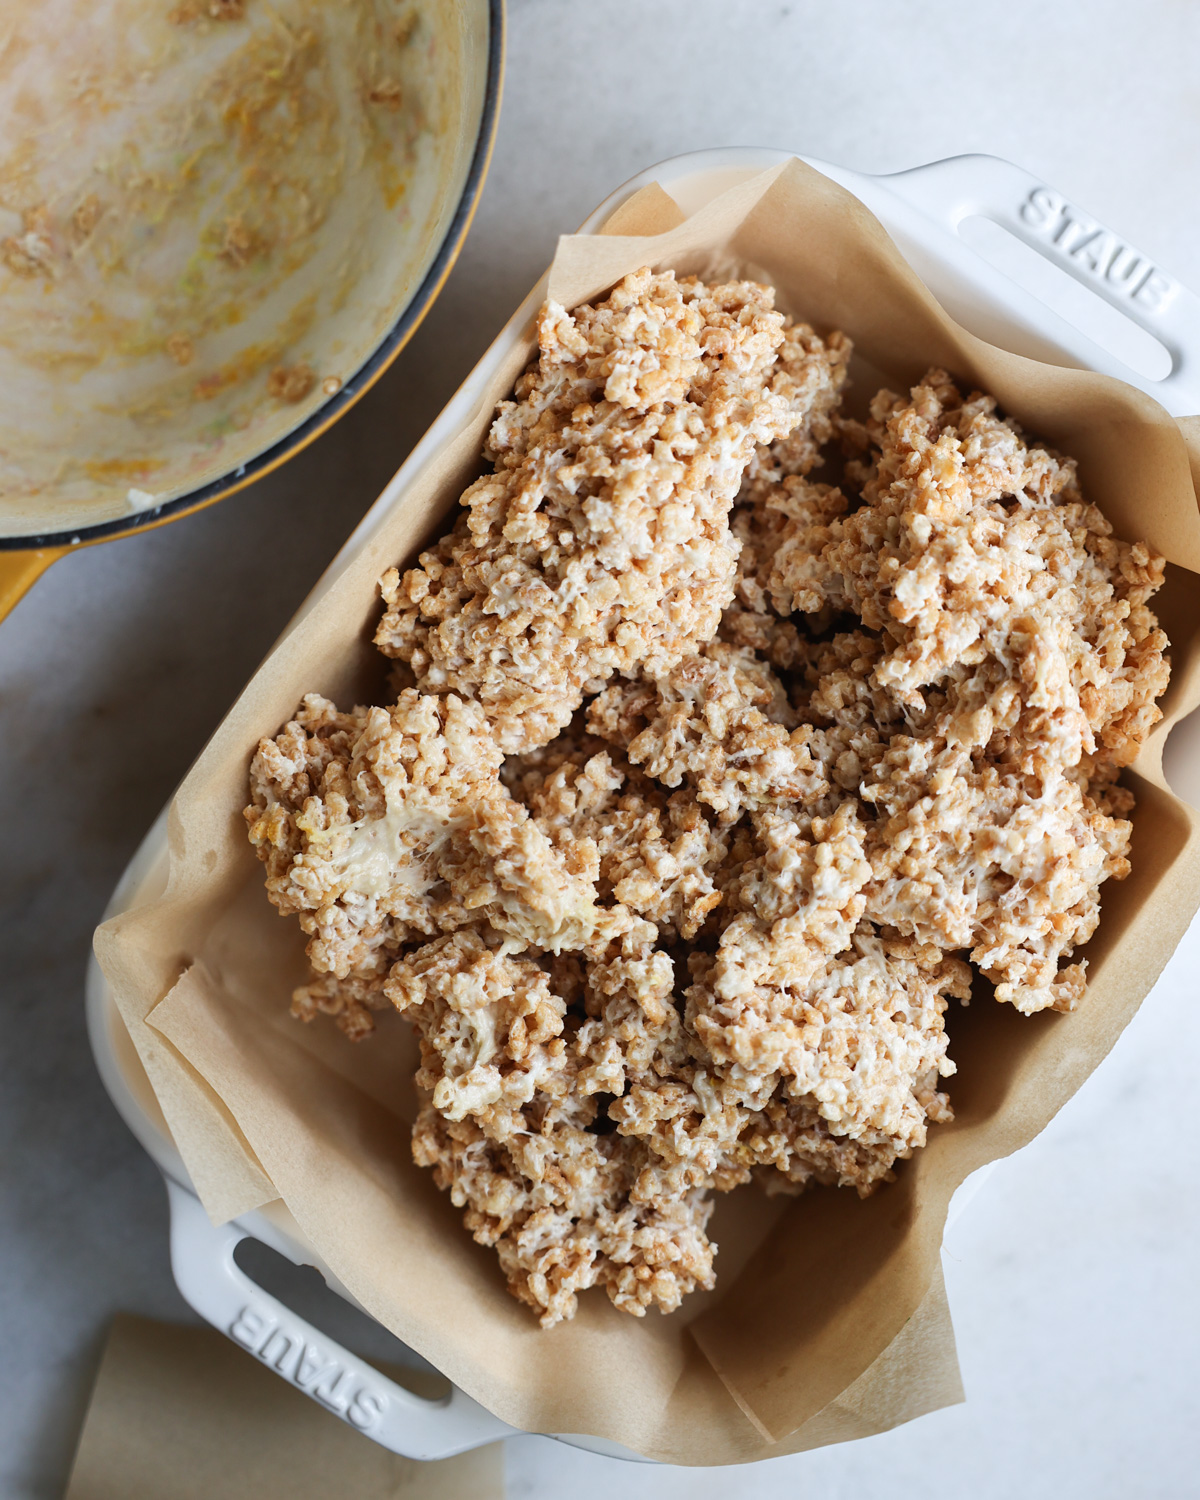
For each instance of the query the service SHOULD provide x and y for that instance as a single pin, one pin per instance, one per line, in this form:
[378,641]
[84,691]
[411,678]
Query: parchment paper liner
[829,1320]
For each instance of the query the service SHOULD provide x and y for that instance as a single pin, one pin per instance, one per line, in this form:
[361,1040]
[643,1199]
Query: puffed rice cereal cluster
[707,781]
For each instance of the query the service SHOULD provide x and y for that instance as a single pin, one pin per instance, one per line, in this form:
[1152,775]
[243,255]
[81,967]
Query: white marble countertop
[1072,1274]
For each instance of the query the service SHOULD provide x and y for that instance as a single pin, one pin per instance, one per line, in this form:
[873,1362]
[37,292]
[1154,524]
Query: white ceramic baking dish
[968,226]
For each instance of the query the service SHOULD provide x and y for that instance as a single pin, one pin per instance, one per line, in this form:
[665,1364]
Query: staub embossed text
[1097,250]
[307,1365]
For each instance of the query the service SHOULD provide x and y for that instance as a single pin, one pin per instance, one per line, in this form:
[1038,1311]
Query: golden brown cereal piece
[969,850]
[795,1148]
[380,826]
[655,854]
[601,540]
[974,549]
[720,722]
[811,375]
[489,1023]
[1009,665]
[978,856]
[506,1132]
[775,474]
[633,1031]
[351,1001]
[751,619]
[554,1202]
[856,1034]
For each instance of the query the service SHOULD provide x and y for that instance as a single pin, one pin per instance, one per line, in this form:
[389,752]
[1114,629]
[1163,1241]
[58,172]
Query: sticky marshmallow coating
[696,819]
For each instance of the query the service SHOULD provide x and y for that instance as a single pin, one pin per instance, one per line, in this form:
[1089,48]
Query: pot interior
[212,213]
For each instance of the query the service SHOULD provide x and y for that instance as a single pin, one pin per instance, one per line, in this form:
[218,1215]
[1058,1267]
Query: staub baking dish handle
[962,188]
[221,1292]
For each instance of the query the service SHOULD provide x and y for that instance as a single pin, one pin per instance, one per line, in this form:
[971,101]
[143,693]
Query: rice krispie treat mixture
[709,781]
